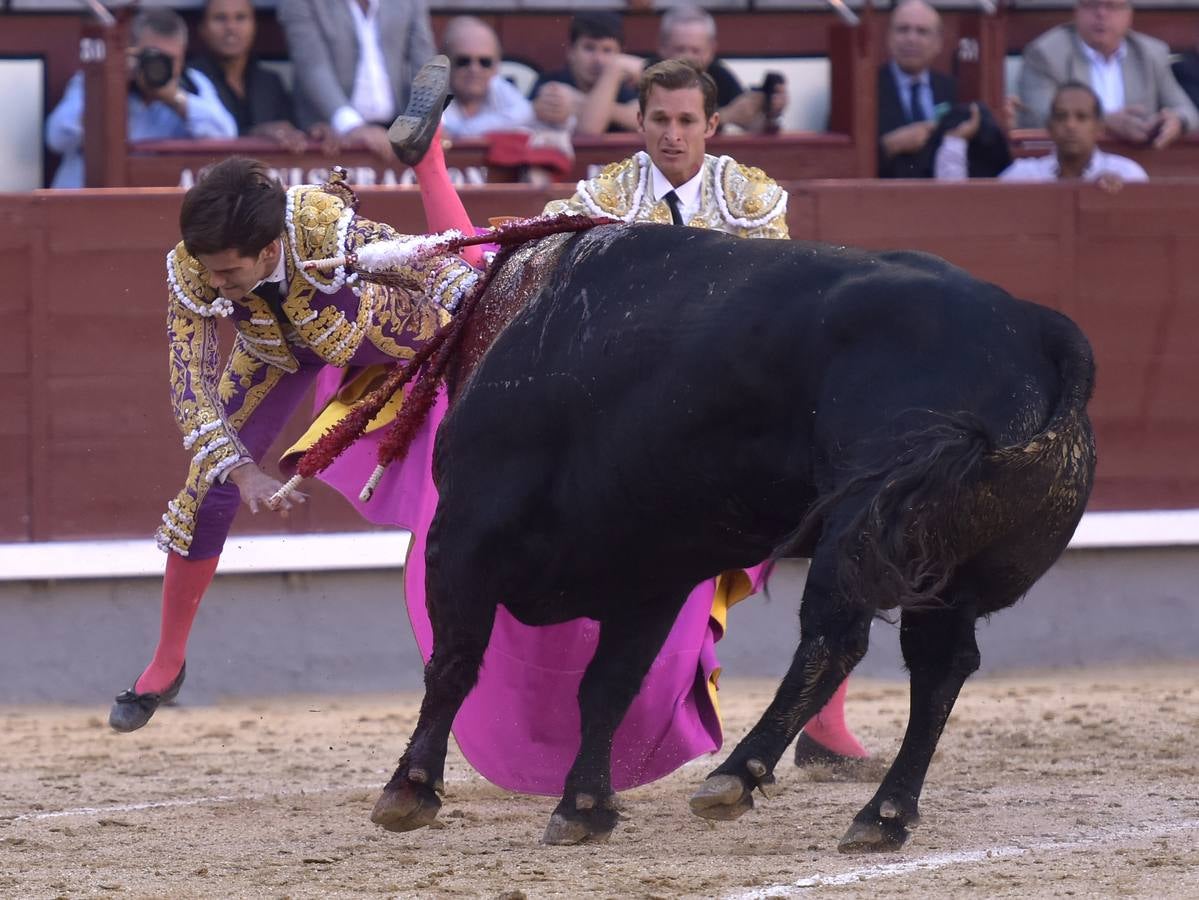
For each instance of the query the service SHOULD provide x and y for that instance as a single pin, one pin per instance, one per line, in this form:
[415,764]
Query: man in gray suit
[354,62]
[1130,72]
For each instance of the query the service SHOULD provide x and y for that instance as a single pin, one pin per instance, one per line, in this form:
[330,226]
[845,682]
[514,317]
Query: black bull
[671,403]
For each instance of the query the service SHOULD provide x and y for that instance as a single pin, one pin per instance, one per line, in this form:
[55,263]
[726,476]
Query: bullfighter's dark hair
[596,25]
[1078,86]
[676,75]
[236,205]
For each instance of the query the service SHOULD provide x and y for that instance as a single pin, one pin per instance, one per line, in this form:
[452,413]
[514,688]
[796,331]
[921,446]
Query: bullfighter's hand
[1110,183]
[257,488]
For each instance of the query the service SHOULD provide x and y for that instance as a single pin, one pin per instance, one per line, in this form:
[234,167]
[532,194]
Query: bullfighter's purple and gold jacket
[328,317]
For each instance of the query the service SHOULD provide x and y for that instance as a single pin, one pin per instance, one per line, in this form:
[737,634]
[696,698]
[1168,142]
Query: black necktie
[672,200]
[271,292]
[916,105]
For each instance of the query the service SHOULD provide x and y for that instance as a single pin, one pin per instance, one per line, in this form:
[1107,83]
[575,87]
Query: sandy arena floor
[1077,785]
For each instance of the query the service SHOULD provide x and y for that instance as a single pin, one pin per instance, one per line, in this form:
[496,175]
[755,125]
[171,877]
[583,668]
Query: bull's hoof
[723,798]
[406,807]
[887,832]
[587,823]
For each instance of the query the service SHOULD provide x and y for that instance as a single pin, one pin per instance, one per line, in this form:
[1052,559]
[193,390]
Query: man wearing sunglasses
[483,101]
[1129,71]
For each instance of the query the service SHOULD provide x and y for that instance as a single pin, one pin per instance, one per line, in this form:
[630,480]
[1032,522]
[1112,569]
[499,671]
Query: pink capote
[519,726]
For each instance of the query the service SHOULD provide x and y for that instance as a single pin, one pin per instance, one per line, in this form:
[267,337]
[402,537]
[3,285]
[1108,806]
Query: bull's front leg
[940,651]
[834,637]
[627,648]
[461,620]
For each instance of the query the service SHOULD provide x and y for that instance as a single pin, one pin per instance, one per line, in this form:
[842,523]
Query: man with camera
[165,99]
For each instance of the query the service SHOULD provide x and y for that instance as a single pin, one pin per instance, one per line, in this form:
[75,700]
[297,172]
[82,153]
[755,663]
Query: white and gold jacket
[329,313]
[736,199]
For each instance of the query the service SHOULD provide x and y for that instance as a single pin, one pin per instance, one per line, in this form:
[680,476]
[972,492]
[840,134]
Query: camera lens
[156,67]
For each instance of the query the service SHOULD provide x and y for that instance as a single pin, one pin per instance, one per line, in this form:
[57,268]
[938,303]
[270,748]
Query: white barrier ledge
[262,554]
[257,554]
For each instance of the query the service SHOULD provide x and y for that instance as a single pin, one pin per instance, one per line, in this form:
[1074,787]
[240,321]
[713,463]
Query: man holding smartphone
[910,93]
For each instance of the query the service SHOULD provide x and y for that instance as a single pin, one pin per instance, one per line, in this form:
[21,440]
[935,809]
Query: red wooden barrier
[88,448]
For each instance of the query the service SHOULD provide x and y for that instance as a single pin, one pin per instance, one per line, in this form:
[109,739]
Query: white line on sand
[944,860]
[171,804]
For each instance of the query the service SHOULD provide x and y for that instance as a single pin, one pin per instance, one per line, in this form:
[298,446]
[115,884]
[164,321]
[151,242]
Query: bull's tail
[903,526]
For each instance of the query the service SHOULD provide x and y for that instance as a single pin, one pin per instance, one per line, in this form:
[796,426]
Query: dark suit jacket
[891,115]
[266,98]
[1186,72]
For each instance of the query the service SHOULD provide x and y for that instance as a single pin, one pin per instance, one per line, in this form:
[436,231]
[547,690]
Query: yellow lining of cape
[732,587]
[339,406]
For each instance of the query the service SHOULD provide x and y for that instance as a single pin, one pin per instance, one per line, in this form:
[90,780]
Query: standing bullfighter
[674,181]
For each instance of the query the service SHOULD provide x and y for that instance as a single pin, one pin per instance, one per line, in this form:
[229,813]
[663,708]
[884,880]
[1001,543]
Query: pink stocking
[443,206]
[183,586]
[829,730]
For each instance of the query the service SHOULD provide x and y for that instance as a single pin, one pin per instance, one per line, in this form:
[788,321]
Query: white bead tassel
[373,482]
[284,492]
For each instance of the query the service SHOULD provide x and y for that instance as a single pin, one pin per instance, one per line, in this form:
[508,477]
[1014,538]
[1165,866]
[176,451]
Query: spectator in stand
[484,101]
[597,91]
[354,63]
[253,94]
[909,92]
[1075,123]
[1186,72]
[689,33]
[166,100]
[1129,71]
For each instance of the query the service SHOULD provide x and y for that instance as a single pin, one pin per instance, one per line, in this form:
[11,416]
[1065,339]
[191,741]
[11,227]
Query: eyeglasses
[484,62]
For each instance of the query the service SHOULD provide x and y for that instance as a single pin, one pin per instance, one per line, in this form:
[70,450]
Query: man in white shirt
[484,101]
[1075,123]
[354,63]
[1130,72]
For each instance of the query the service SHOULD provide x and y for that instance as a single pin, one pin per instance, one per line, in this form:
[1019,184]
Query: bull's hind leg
[834,636]
[460,635]
[940,652]
[627,648]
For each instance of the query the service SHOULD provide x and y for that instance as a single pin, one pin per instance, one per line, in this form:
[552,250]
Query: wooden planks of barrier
[89,449]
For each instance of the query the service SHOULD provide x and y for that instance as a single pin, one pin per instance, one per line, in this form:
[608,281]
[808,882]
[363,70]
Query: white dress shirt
[688,192]
[504,109]
[951,164]
[372,99]
[1107,76]
[1046,168]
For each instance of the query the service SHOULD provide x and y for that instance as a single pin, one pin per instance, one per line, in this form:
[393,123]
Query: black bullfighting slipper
[133,710]
[412,131]
[811,753]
